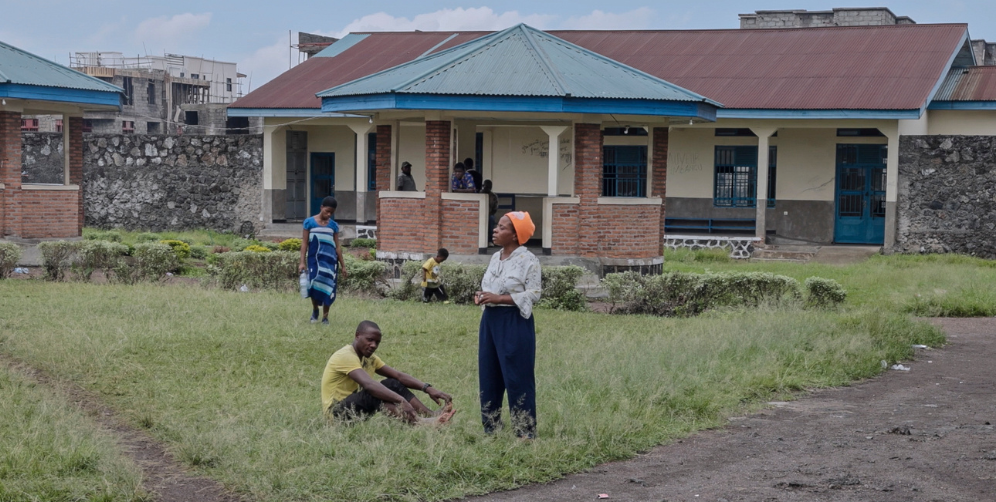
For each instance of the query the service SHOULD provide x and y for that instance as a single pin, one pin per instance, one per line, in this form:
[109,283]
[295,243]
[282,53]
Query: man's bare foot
[441,419]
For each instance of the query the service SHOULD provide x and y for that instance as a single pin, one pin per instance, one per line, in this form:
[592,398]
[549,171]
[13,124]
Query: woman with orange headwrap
[507,338]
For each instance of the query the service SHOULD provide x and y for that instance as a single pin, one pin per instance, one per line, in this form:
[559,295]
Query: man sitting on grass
[350,391]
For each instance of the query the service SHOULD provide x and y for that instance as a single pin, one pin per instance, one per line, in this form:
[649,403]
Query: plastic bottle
[305,284]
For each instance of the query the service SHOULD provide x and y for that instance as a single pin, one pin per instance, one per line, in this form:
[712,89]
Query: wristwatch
[426,386]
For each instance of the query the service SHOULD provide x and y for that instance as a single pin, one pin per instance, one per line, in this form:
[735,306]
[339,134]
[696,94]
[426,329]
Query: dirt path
[919,435]
[162,476]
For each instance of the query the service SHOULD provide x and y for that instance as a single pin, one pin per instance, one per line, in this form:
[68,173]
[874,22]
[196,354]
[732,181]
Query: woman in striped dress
[321,256]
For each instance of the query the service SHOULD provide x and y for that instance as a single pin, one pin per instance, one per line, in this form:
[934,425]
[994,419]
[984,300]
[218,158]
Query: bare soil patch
[920,435]
[163,477]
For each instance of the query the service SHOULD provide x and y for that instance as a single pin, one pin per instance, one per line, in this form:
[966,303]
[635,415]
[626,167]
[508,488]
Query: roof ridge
[544,60]
[60,68]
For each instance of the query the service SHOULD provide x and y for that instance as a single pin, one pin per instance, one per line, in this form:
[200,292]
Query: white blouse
[518,276]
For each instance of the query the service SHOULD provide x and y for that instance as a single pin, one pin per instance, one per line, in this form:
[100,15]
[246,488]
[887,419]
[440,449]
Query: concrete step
[797,253]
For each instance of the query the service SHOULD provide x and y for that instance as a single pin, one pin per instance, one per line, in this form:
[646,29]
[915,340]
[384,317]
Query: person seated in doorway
[462,181]
[431,283]
[406,183]
[468,163]
[349,390]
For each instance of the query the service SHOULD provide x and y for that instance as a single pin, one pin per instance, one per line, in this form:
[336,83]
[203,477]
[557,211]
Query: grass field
[230,381]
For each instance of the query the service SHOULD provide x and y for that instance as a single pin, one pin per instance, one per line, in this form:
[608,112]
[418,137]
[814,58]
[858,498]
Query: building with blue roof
[31,85]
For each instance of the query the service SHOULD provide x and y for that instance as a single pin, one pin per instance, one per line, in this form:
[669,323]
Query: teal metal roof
[23,68]
[519,61]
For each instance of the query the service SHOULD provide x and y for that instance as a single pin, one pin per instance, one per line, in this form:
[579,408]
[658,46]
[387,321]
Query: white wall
[519,161]
[962,122]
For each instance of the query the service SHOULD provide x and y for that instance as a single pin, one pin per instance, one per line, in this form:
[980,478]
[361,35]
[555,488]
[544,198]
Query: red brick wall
[461,226]
[383,160]
[624,231]
[45,216]
[10,171]
[588,183]
[437,159]
[566,229]
[402,225]
[76,165]
[658,187]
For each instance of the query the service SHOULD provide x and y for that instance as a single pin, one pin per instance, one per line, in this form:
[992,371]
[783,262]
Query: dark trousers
[506,360]
[440,293]
[362,404]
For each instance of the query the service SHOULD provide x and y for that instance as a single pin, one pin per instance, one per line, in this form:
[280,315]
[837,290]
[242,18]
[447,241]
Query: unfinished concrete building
[801,18]
[311,44]
[170,94]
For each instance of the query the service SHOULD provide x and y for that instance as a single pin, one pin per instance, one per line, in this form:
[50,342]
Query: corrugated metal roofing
[296,88]
[22,67]
[974,83]
[874,67]
[518,61]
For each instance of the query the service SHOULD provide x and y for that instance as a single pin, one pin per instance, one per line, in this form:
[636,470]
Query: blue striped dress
[323,260]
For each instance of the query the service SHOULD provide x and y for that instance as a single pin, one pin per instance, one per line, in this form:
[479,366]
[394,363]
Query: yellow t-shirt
[431,268]
[336,384]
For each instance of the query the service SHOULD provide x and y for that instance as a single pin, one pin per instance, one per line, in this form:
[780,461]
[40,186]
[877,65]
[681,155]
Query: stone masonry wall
[172,182]
[947,195]
[42,157]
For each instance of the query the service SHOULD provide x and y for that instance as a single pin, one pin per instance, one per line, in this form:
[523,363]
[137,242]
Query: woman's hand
[342,272]
[300,267]
[483,298]
[477,297]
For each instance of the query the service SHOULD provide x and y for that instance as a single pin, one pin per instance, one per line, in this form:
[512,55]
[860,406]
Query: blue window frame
[736,176]
[624,171]
[371,162]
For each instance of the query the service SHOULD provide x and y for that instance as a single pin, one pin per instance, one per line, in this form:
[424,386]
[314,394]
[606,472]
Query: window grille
[624,171]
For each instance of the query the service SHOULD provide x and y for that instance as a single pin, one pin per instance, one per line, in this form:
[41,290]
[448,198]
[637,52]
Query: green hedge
[686,294]
[57,258]
[271,270]
[9,254]
[824,293]
[96,255]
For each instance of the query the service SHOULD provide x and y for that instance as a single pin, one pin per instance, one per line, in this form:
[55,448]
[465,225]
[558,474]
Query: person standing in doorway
[492,205]
[406,183]
[506,355]
[322,257]
[474,173]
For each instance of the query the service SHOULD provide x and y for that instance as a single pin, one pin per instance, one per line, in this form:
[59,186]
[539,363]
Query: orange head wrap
[523,224]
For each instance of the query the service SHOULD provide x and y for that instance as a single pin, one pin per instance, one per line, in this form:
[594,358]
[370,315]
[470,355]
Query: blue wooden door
[322,179]
[860,195]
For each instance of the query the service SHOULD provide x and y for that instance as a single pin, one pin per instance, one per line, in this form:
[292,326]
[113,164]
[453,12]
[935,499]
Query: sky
[254,34]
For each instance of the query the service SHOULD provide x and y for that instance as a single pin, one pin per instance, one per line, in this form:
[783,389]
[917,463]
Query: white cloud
[168,32]
[472,19]
[265,64]
[636,19]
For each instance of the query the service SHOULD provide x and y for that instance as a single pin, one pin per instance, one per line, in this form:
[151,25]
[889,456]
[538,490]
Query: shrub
[240,244]
[256,249]
[180,248]
[98,255]
[408,289]
[147,237]
[102,235]
[560,288]
[685,294]
[198,252]
[152,261]
[362,275]
[9,254]
[824,293]
[363,243]
[460,281]
[272,246]
[275,270]
[57,257]
[292,244]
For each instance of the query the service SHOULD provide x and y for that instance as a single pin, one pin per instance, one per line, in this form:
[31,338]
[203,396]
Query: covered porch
[540,141]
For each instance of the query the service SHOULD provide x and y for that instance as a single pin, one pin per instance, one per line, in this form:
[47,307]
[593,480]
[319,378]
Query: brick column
[658,188]
[10,172]
[383,168]
[437,170]
[588,185]
[76,163]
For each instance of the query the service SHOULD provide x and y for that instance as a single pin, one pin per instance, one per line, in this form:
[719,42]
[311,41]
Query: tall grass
[230,381]
[49,451]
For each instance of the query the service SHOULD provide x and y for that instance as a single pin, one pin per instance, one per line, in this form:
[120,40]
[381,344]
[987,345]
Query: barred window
[736,176]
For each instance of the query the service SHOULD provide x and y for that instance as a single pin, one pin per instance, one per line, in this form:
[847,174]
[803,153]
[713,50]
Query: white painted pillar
[761,205]
[891,184]
[362,175]
[552,157]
